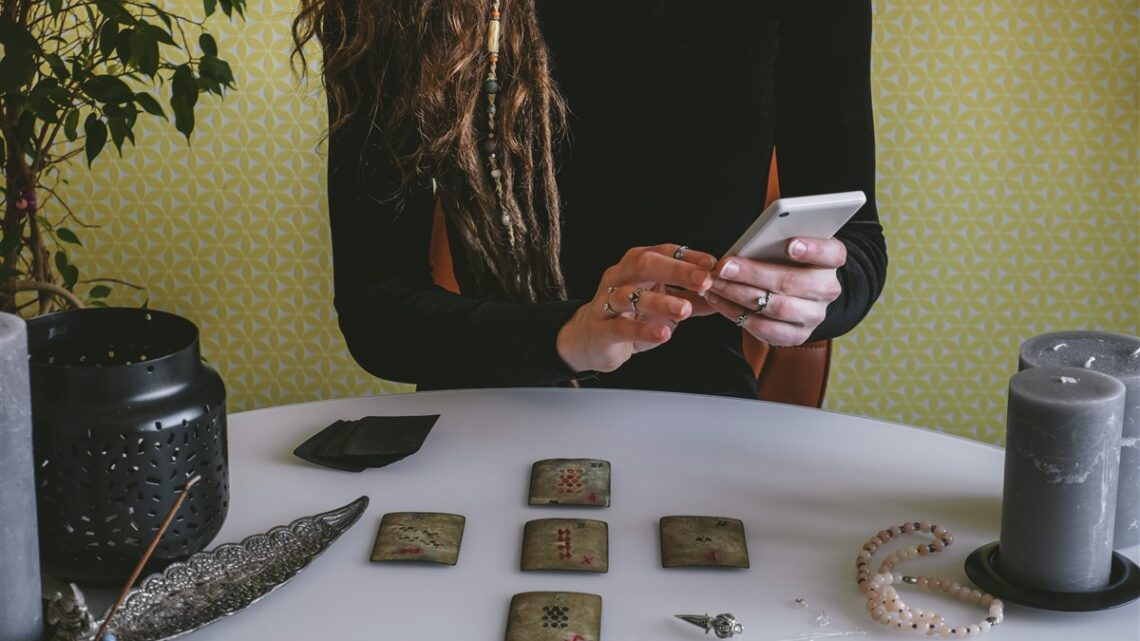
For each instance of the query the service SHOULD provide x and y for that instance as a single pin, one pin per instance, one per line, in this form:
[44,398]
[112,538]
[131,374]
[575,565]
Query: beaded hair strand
[407,79]
[491,89]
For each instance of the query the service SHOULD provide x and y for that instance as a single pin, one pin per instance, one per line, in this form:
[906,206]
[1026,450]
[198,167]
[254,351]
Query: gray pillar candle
[1062,456]
[21,613]
[1117,355]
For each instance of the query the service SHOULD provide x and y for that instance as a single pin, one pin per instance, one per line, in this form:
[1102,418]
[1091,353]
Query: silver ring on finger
[762,302]
[634,299]
[679,253]
[743,316]
[606,305]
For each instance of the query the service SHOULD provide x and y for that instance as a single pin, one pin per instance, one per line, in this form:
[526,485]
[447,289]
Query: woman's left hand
[780,304]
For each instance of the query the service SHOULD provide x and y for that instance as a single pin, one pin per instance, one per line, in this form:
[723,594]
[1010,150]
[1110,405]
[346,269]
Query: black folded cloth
[373,441]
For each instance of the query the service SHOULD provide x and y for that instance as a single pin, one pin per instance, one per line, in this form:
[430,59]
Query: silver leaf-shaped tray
[214,584]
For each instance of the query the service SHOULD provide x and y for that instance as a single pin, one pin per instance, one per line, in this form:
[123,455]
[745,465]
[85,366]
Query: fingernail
[684,309]
[729,270]
[719,284]
[797,248]
[712,298]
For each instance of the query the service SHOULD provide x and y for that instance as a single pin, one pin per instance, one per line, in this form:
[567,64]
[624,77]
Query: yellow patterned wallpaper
[1009,186]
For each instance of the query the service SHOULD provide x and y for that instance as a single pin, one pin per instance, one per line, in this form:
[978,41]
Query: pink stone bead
[924,526]
[937,530]
[987,600]
[947,538]
[935,583]
[921,581]
[937,545]
[923,550]
[975,595]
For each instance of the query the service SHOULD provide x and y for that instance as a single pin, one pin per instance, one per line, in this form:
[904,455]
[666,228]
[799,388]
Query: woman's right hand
[632,310]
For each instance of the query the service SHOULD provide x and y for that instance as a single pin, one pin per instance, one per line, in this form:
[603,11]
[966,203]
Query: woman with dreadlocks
[577,151]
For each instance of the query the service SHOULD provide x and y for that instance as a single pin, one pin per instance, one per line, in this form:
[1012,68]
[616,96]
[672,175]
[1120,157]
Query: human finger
[690,255]
[812,283]
[651,265]
[819,252]
[646,304]
[770,330]
[778,306]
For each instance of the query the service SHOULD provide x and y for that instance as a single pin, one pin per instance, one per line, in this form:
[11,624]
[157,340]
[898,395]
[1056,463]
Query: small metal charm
[724,625]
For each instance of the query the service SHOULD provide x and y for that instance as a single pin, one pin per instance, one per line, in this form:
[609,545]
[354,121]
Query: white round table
[810,486]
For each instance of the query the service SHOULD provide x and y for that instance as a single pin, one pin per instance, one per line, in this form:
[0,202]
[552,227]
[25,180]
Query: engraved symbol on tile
[555,616]
[564,544]
[570,480]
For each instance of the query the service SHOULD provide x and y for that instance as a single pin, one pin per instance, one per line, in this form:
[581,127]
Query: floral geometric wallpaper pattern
[1009,184]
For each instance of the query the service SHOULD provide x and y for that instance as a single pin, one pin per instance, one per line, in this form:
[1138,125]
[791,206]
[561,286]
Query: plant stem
[45,289]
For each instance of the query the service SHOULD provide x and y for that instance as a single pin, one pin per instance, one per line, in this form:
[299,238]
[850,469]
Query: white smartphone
[803,216]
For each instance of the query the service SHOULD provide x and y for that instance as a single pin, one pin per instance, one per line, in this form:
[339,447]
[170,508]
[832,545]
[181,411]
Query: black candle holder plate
[1123,585]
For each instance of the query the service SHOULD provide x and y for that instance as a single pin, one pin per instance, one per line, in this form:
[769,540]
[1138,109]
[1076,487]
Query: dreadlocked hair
[417,66]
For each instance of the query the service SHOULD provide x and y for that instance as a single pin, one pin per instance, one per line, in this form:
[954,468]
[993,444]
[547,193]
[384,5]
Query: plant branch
[117,281]
[47,290]
[66,207]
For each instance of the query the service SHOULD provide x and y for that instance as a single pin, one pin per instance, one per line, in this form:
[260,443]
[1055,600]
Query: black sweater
[676,105]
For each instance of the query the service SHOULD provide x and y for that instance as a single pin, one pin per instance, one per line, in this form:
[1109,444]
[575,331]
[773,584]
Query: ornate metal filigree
[211,584]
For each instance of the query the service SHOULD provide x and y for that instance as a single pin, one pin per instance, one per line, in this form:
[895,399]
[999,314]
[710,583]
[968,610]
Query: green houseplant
[75,75]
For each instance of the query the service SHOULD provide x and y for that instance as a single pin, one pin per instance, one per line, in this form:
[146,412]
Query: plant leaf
[69,272]
[108,38]
[208,44]
[40,99]
[96,133]
[114,10]
[184,95]
[58,69]
[217,73]
[158,33]
[210,6]
[123,46]
[144,51]
[67,236]
[17,68]
[149,104]
[108,89]
[99,291]
[71,125]
[15,36]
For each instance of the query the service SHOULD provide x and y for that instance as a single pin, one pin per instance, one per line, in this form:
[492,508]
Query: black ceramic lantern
[124,413]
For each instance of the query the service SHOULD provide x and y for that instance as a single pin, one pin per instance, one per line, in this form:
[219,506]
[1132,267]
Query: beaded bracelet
[883,602]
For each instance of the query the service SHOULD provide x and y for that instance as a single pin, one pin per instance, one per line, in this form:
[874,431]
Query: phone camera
[784,214]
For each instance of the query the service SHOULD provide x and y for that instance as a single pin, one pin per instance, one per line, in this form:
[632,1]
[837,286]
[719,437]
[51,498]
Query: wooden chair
[796,375]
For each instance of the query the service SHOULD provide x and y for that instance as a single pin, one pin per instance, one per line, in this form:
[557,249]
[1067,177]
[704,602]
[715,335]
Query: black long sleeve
[825,138]
[675,107]
[397,323]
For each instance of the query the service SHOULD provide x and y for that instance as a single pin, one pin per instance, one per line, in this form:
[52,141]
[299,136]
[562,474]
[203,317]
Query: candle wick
[1059,346]
[1067,380]
[1090,361]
